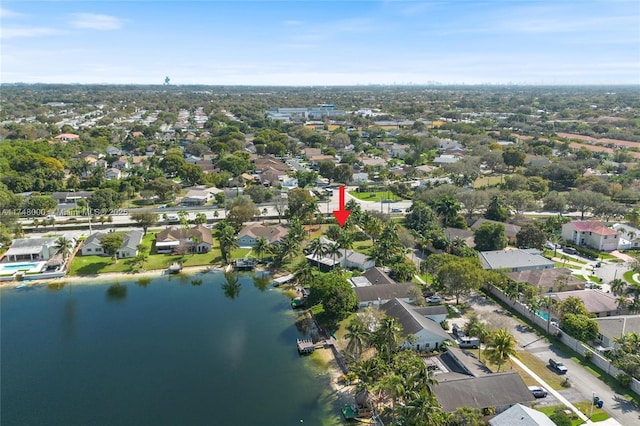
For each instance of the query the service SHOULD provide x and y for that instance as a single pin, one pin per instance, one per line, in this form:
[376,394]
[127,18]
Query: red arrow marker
[341,215]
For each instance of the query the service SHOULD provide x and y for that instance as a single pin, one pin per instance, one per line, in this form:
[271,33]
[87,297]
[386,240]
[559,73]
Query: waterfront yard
[92,265]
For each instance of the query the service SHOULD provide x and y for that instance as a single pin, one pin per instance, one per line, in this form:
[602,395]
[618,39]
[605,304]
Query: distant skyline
[315,43]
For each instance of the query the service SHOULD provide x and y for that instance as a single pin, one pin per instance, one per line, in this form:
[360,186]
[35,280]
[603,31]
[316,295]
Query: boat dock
[244,264]
[175,268]
[306,346]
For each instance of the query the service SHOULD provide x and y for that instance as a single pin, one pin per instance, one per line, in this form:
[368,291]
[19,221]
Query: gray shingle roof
[376,276]
[412,322]
[491,390]
[618,325]
[510,230]
[382,292]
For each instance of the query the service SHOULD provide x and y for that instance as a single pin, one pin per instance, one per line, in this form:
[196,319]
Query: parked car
[557,366]
[538,392]
[469,342]
[396,210]
[434,299]
[570,250]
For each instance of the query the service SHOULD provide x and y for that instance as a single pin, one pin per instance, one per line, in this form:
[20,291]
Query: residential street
[583,383]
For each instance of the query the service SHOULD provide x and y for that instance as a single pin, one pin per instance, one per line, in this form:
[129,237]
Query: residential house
[129,248]
[436,313]
[428,334]
[314,160]
[312,151]
[515,260]
[510,230]
[597,302]
[629,236]
[445,145]
[398,150]
[345,258]
[373,162]
[446,159]
[112,173]
[70,197]
[193,240]
[30,249]
[376,295]
[66,137]
[358,178]
[377,276]
[462,234]
[548,280]
[488,392]
[251,233]
[591,233]
[112,151]
[121,163]
[521,415]
[611,328]
[199,196]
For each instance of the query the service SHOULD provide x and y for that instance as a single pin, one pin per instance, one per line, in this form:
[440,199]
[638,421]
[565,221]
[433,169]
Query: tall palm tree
[227,238]
[388,336]
[303,273]
[64,247]
[358,338]
[261,247]
[479,329]
[317,249]
[617,286]
[333,250]
[447,207]
[502,345]
[345,241]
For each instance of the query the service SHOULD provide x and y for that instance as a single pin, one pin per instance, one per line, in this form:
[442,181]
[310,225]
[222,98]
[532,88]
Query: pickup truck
[557,366]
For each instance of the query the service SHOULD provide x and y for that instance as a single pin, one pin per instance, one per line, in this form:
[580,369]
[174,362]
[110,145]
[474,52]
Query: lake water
[176,351]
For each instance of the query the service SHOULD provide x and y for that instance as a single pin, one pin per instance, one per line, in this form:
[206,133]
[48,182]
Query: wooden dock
[305,346]
[244,264]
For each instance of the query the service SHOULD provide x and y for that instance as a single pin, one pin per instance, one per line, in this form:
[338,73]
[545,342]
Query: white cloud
[17,32]
[6,13]
[96,21]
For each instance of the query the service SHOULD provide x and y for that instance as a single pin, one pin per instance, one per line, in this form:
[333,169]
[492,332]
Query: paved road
[583,383]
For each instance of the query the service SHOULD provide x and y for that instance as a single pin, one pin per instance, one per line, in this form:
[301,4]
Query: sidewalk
[551,391]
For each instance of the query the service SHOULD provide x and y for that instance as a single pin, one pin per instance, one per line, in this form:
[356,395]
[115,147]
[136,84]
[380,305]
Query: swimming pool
[543,315]
[22,266]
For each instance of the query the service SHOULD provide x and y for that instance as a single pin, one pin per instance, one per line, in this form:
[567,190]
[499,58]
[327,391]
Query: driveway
[583,383]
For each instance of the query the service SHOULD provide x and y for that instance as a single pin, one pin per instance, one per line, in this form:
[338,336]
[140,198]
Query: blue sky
[299,42]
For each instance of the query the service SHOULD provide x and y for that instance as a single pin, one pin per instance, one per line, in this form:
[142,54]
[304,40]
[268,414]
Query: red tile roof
[593,226]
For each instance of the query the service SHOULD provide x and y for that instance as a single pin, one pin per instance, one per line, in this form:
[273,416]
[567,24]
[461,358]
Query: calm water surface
[176,351]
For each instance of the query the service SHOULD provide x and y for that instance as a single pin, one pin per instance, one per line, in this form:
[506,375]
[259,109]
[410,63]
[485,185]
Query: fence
[597,359]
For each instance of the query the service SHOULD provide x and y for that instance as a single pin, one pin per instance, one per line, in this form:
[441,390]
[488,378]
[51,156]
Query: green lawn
[486,181]
[375,196]
[628,276]
[541,369]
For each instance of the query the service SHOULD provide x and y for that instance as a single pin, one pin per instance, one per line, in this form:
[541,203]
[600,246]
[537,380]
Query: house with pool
[32,257]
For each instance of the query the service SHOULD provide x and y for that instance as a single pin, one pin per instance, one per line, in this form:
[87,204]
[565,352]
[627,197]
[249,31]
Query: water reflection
[196,282]
[261,281]
[116,292]
[231,287]
[144,281]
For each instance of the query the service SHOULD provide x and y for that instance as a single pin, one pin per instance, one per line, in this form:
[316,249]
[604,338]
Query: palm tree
[617,286]
[303,273]
[357,336]
[317,249]
[333,250]
[479,329]
[502,345]
[261,247]
[64,247]
[227,238]
[345,241]
[388,336]
[394,386]
[447,207]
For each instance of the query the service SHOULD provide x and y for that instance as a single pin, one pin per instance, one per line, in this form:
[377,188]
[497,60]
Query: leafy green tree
[111,243]
[241,210]
[163,188]
[513,158]
[584,201]
[145,219]
[467,416]
[39,202]
[336,296]
[580,326]
[447,207]
[105,199]
[490,236]
[531,236]
[496,210]
[460,277]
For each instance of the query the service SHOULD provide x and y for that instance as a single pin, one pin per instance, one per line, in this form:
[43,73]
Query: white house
[128,249]
[629,236]
[591,233]
[112,173]
[429,335]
